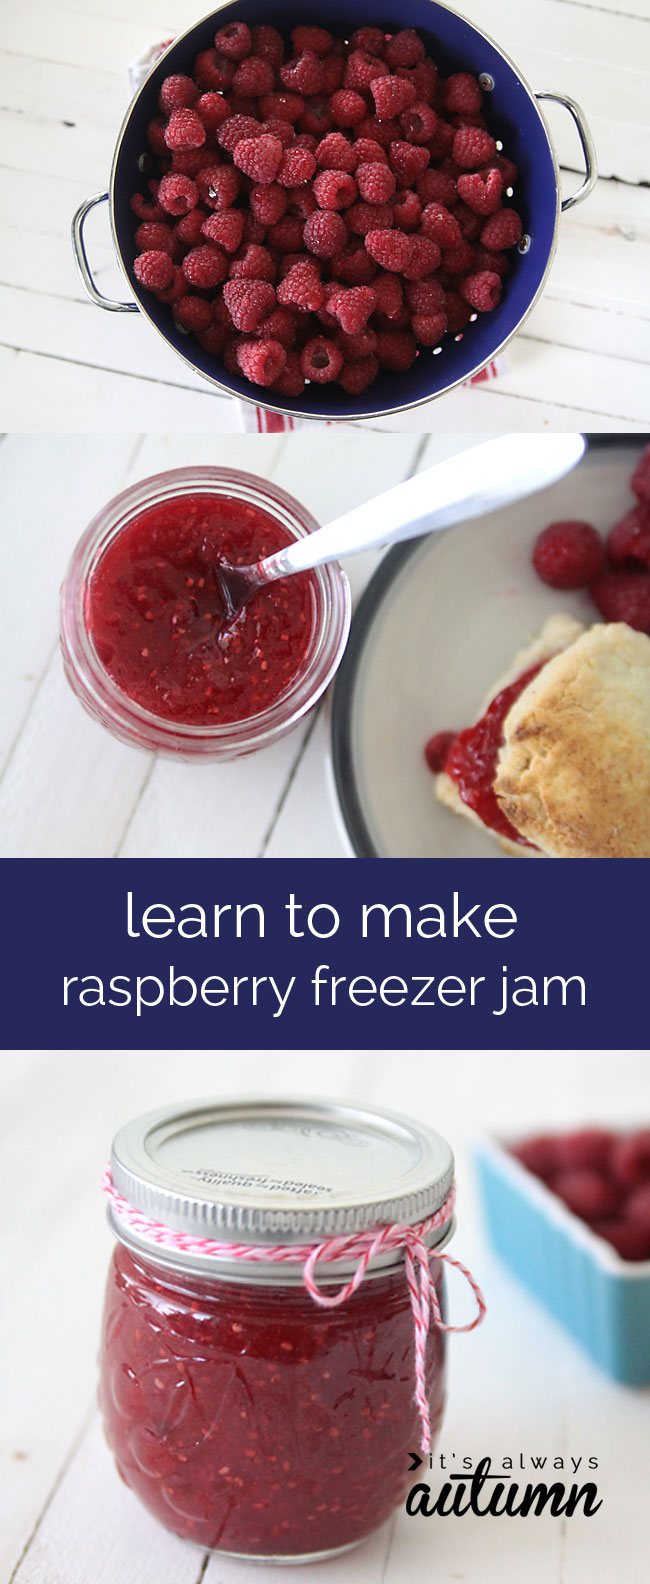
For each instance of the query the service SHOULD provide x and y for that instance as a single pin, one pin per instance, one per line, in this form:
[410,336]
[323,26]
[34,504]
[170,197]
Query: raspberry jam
[252,1422]
[157,619]
[144,639]
[247,1414]
[471,760]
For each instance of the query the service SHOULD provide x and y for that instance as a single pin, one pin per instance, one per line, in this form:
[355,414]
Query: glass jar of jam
[146,643]
[247,1417]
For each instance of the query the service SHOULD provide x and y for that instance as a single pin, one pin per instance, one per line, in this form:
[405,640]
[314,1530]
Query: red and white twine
[360,1246]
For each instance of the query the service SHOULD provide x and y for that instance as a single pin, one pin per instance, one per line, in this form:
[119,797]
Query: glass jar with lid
[247,1415]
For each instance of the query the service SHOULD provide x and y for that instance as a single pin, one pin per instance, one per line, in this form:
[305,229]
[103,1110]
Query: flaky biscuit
[573,775]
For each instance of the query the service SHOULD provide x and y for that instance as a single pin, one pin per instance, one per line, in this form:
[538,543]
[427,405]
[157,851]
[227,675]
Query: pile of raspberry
[616,571]
[322,209]
[603,1177]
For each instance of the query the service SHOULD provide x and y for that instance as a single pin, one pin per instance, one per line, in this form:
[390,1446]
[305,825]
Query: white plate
[440,621]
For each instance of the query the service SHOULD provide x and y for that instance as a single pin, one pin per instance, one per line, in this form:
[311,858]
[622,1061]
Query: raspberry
[205,266]
[429,328]
[440,225]
[297,167]
[248,302]
[259,158]
[177,195]
[630,1161]
[185,130]
[628,543]
[291,381]
[588,1193]
[369,152]
[382,132]
[154,269]
[283,130]
[226,229]
[188,162]
[624,597]
[538,1155]
[407,211]
[436,187]
[303,287]
[391,95]
[462,94]
[304,75]
[268,44]
[154,237]
[472,147]
[502,230]
[482,190]
[376,182]
[370,39]
[419,123]
[280,326]
[255,263]
[437,749]
[287,106]
[469,223]
[640,480]
[302,202]
[637,1207]
[253,232]
[176,290]
[425,258]
[145,210]
[253,77]
[508,170]
[632,1242]
[213,109]
[333,74]
[218,185]
[213,72]
[458,260]
[424,78]
[389,295]
[408,161]
[362,70]
[261,361]
[347,108]
[194,313]
[268,203]
[365,217]
[357,375]
[568,555]
[353,265]
[214,339]
[334,189]
[481,291]
[321,360]
[404,49]
[391,249]
[359,344]
[587,1147]
[458,314]
[235,129]
[286,235]
[177,93]
[315,39]
[234,40]
[483,260]
[335,153]
[352,306]
[325,233]
[396,350]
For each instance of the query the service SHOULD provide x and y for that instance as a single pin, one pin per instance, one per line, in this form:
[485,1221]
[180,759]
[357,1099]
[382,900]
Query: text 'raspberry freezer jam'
[472,759]
[251,1421]
[156,616]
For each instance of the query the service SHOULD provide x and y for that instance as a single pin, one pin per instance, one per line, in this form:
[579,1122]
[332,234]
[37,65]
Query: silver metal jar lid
[292,1171]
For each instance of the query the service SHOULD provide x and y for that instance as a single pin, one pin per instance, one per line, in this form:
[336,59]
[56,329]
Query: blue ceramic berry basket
[602,1300]
[515,119]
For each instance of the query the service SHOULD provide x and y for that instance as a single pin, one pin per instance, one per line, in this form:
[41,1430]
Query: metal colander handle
[588,149]
[81,259]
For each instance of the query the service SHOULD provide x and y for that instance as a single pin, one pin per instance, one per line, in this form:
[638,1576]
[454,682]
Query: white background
[579,362]
[517,1385]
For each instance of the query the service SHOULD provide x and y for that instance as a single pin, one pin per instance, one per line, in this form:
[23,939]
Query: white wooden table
[580,361]
[69,789]
[518,1385]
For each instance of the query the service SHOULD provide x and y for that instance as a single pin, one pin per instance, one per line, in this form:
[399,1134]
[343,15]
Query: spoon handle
[467,485]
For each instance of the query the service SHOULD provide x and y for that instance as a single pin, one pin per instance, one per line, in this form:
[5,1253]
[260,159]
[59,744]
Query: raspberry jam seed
[156,616]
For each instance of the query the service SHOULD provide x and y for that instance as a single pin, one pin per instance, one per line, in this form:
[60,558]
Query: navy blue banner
[289,954]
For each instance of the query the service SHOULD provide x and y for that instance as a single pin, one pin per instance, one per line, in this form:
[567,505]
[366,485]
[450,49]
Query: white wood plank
[52,395]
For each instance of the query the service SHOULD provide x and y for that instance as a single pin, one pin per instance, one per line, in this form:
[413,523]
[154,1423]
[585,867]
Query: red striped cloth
[258,420]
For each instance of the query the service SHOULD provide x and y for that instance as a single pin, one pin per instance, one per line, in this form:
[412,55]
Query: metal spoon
[467,485]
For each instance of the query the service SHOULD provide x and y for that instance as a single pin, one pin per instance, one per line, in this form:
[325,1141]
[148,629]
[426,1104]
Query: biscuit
[573,775]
